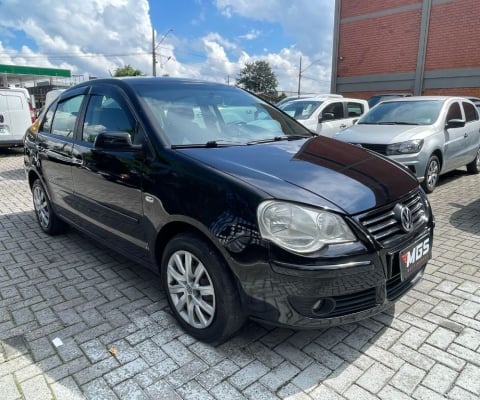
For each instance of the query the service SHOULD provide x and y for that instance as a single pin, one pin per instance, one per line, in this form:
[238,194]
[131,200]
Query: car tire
[212,314]
[432,173]
[49,222]
[474,166]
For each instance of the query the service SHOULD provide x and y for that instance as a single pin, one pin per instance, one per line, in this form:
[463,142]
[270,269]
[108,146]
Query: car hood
[383,134]
[321,171]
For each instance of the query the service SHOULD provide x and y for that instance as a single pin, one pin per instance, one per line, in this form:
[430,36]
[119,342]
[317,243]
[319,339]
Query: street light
[154,49]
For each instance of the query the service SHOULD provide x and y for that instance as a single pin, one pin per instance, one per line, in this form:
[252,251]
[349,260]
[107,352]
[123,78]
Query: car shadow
[451,177]
[467,217]
[10,151]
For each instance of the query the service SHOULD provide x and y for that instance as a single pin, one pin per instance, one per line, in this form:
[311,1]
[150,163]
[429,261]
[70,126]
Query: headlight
[409,147]
[301,229]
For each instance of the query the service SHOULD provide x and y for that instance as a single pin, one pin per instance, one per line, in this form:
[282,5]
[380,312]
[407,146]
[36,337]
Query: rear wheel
[474,166]
[432,173]
[46,217]
[200,290]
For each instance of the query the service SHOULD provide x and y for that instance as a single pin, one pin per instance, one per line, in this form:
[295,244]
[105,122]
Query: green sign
[21,70]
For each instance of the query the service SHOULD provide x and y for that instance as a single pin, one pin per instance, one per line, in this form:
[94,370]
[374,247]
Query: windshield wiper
[396,123]
[211,143]
[278,139]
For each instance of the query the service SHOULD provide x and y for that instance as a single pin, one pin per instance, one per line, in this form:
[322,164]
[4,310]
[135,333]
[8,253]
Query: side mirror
[119,141]
[326,117]
[455,123]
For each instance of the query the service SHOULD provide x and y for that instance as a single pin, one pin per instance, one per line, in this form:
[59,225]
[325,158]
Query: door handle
[343,126]
[466,135]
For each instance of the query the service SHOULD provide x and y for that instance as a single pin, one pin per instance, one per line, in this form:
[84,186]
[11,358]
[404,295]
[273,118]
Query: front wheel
[432,173]
[200,290]
[474,166]
[47,219]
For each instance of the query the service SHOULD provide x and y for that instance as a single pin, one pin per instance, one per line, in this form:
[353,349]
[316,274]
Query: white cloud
[253,34]
[98,36]
[308,21]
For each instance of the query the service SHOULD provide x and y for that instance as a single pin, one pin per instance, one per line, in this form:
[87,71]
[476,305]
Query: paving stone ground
[97,303]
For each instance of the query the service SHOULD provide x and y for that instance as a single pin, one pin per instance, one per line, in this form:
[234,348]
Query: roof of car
[324,98]
[423,98]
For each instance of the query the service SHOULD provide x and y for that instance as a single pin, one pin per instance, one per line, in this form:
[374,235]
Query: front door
[108,182]
[331,120]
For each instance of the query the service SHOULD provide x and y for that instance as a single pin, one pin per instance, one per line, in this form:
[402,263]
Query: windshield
[212,115]
[415,112]
[300,109]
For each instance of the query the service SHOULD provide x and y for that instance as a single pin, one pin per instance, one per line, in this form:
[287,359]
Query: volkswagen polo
[242,211]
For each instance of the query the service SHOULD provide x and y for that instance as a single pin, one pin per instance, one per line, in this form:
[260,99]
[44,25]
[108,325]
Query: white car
[328,115]
[430,135]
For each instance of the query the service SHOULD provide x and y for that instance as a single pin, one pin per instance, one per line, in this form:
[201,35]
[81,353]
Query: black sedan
[241,210]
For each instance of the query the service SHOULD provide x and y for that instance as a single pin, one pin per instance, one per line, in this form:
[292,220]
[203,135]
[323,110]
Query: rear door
[14,116]
[472,131]
[455,139]
[54,147]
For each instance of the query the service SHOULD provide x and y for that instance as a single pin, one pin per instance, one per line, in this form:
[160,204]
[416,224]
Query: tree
[258,77]
[128,70]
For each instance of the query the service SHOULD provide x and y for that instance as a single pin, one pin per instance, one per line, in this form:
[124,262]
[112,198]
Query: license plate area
[413,257]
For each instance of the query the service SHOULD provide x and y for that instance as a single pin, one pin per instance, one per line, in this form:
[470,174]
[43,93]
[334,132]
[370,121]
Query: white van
[328,115]
[51,96]
[15,116]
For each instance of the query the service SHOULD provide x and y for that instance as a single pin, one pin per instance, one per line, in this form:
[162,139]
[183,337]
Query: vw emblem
[404,216]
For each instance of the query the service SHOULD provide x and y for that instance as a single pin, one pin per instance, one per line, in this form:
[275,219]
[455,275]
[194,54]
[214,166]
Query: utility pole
[299,76]
[154,58]
[154,49]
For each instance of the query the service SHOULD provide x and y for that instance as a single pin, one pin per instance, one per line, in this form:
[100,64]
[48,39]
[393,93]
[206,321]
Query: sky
[205,39]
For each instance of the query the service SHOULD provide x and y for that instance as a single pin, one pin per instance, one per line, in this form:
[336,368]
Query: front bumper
[337,292]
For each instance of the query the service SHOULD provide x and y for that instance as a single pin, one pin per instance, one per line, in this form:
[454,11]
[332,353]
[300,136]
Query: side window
[105,113]
[470,112]
[454,112]
[336,109]
[355,109]
[65,116]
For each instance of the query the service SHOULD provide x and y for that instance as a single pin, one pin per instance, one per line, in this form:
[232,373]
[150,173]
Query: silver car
[430,135]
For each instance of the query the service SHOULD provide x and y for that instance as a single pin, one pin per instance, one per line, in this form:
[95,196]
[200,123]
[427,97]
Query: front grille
[378,148]
[386,228]
[396,287]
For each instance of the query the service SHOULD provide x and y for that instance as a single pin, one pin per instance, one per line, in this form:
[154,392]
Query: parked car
[326,116]
[430,135]
[16,115]
[305,96]
[257,217]
[51,96]
[377,98]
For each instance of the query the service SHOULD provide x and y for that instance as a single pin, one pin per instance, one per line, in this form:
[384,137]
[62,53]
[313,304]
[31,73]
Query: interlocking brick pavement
[94,300]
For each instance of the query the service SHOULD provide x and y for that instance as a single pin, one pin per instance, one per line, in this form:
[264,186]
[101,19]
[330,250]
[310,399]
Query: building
[423,47]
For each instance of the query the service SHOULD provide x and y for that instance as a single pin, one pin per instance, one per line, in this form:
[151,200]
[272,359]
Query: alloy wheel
[42,209]
[432,173]
[191,289]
